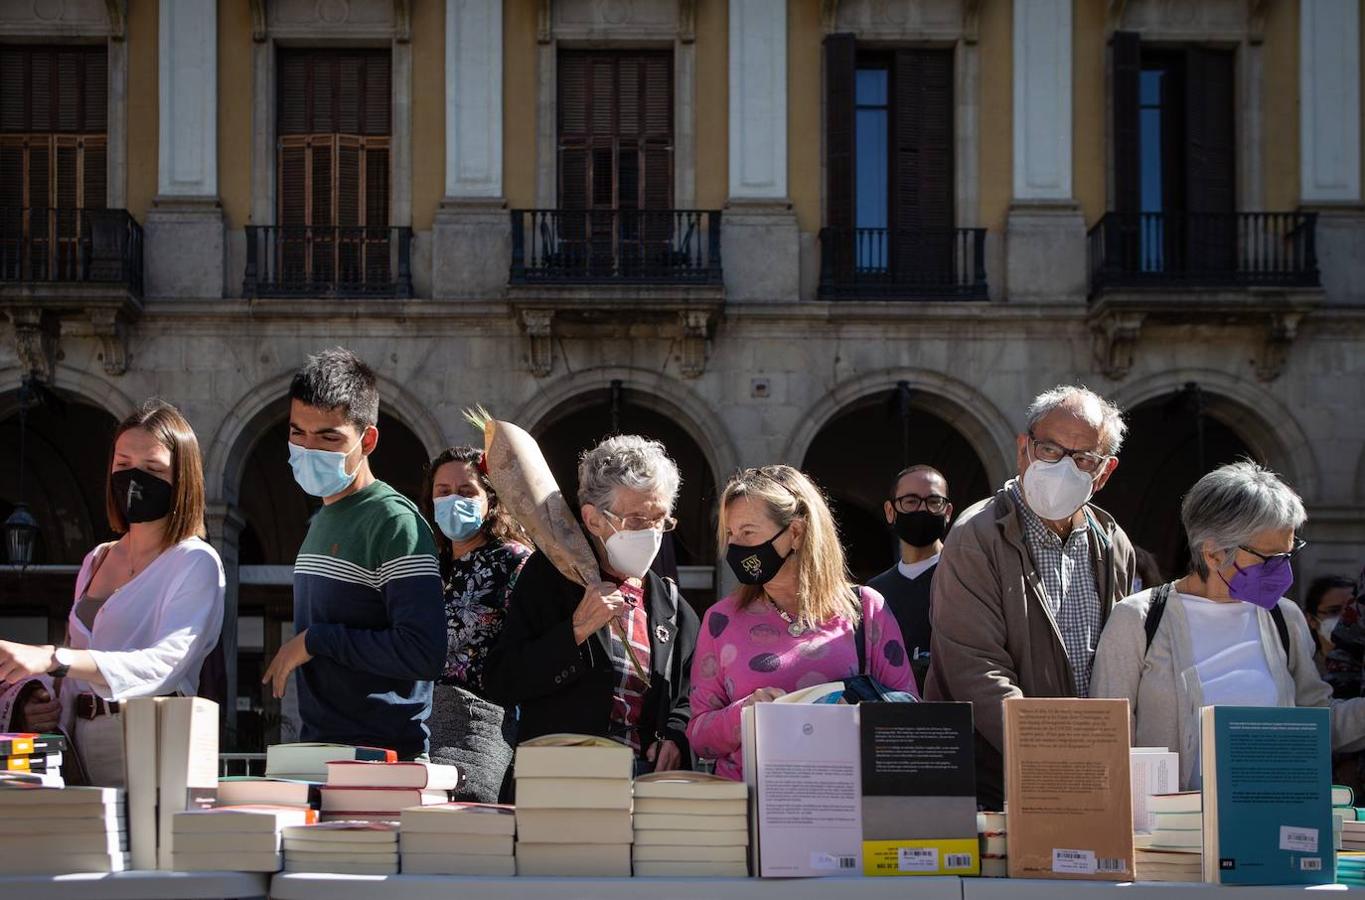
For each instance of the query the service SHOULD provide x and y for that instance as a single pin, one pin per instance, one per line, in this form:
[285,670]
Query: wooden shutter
[922,216]
[841,67]
[1126,51]
[1210,164]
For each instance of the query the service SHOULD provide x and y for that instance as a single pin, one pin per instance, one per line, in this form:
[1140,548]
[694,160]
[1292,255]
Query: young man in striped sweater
[369,620]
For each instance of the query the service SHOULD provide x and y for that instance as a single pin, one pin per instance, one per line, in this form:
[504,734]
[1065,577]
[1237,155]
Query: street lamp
[21,529]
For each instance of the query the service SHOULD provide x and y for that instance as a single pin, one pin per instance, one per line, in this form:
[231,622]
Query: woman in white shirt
[148,606]
[1225,636]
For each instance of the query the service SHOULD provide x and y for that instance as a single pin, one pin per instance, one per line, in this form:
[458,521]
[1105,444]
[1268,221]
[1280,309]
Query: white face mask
[629,553]
[1327,625]
[1056,490]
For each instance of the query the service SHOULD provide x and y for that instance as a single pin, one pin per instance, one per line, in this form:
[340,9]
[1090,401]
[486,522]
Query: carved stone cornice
[35,340]
[1115,338]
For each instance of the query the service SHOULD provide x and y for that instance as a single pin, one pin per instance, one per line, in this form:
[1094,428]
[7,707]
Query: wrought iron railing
[902,264]
[654,246]
[41,244]
[1204,250]
[327,261]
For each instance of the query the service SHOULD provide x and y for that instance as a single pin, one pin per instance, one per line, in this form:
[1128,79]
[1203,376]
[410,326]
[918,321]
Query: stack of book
[573,806]
[690,823]
[1173,850]
[342,848]
[1351,868]
[372,791]
[1353,835]
[308,761]
[253,790]
[53,831]
[39,755]
[990,828]
[233,838]
[458,839]
[170,753]
[1343,811]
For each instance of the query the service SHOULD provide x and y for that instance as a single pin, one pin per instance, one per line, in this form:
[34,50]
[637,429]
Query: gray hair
[1232,503]
[1085,404]
[628,461]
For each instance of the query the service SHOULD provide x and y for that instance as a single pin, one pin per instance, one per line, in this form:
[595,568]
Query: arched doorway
[857,453]
[275,515]
[66,452]
[1172,442]
[583,423]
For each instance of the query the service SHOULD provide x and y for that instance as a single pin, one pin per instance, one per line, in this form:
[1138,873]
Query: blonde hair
[824,589]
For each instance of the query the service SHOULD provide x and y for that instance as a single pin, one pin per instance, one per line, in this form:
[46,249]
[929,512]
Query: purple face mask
[1262,584]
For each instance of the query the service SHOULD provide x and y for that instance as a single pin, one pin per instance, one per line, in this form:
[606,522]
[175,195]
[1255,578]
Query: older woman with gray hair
[1224,635]
[612,659]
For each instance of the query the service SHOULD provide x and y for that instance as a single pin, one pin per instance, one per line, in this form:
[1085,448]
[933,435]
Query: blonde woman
[792,622]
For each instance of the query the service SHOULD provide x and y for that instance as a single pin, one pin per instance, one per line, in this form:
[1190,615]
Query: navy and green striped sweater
[367,588]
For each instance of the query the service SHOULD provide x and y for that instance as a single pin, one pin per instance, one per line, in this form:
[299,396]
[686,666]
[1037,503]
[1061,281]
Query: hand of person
[665,755]
[762,695]
[20,661]
[41,712]
[600,604]
[292,655]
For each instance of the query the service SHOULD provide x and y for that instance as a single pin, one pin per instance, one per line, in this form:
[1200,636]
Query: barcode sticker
[957,861]
[1111,865]
[1303,840]
[1073,862]
[832,862]
[917,859]
[1310,864]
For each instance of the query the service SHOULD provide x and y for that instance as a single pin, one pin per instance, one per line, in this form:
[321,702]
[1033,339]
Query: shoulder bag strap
[1160,595]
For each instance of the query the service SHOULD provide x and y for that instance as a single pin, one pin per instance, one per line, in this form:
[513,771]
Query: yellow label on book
[929,857]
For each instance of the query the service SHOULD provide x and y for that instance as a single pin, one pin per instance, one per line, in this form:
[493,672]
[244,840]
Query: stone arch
[85,387]
[1248,411]
[958,404]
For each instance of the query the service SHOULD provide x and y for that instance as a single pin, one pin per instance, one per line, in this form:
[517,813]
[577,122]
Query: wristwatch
[64,658]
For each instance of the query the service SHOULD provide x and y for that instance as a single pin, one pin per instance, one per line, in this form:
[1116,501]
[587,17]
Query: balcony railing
[1228,250]
[901,264]
[655,246]
[96,246]
[327,261]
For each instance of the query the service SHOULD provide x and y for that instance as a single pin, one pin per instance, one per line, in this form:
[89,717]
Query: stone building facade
[737,333]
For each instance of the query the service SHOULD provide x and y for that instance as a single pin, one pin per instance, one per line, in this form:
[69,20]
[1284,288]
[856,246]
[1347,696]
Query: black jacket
[564,687]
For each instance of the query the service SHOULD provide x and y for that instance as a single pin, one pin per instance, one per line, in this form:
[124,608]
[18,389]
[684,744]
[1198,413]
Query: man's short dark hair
[338,379]
[911,470]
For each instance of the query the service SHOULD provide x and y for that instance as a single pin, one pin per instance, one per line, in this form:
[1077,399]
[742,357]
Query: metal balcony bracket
[1115,338]
[696,330]
[35,340]
[540,335]
[108,326]
[1281,330]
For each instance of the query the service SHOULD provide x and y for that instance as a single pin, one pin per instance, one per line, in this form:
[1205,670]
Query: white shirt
[1225,639]
[916,569]
[152,635]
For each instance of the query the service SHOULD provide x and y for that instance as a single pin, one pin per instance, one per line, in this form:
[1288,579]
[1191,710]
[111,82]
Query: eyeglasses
[908,503]
[1276,560]
[1048,452]
[640,523]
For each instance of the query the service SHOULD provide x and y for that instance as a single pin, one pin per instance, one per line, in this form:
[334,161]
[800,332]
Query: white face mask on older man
[1055,490]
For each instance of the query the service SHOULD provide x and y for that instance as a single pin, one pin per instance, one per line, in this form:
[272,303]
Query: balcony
[1203,250]
[47,251]
[623,247]
[900,264]
[317,261]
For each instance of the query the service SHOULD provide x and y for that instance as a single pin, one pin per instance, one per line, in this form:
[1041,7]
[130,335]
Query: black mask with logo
[141,496]
[920,528]
[758,564]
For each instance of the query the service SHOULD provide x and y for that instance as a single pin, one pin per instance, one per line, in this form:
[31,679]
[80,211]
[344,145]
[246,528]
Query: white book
[59,863]
[662,822]
[345,832]
[692,838]
[572,793]
[54,800]
[461,818]
[229,842]
[359,852]
[1153,770]
[140,776]
[418,774]
[259,861]
[691,807]
[95,819]
[574,826]
[326,856]
[573,756]
[647,853]
[456,844]
[691,870]
[240,819]
[342,868]
[76,842]
[689,786]
[574,860]
[445,864]
[187,764]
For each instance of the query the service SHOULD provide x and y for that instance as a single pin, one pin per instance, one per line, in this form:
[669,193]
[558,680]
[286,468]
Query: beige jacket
[1163,689]
[994,636]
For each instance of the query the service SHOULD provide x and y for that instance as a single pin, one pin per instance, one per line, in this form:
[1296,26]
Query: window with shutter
[921,213]
[841,63]
[333,172]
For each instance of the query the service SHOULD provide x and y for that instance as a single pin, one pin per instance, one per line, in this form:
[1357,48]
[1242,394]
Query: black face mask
[758,564]
[920,528]
[141,496]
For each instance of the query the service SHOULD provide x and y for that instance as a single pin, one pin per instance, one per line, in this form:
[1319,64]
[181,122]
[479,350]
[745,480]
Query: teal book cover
[1267,795]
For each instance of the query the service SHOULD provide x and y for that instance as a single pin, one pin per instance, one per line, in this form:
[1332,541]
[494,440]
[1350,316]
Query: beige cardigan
[1163,689]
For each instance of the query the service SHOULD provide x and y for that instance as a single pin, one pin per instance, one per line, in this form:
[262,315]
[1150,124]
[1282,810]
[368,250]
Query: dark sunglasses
[1277,559]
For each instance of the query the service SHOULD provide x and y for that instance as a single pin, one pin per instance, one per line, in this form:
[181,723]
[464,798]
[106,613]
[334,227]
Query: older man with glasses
[1027,577]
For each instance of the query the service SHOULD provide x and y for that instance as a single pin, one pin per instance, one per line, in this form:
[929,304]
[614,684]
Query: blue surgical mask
[321,473]
[458,517]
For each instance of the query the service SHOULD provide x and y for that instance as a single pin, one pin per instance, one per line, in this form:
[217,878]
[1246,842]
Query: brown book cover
[1067,789]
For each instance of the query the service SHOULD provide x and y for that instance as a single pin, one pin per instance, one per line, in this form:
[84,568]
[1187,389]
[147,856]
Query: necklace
[794,628]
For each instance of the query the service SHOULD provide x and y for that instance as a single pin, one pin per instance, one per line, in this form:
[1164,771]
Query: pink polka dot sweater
[740,651]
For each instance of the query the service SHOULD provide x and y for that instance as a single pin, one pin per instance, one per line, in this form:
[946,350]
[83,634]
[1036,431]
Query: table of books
[1040,889]
[136,886]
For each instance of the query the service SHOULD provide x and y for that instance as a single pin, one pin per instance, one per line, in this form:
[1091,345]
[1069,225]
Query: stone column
[760,243]
[184,231]
[225,523]
[472,241]
[1045,233]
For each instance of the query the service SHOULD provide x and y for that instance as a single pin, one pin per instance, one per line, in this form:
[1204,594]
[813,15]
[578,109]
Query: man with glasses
[918,512]
[1027,578]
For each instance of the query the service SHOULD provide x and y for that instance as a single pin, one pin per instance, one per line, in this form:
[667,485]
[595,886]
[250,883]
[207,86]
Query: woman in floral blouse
[482,551]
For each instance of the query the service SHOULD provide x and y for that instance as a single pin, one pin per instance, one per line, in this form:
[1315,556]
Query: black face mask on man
[140,496]
[758,564]
[920,528]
